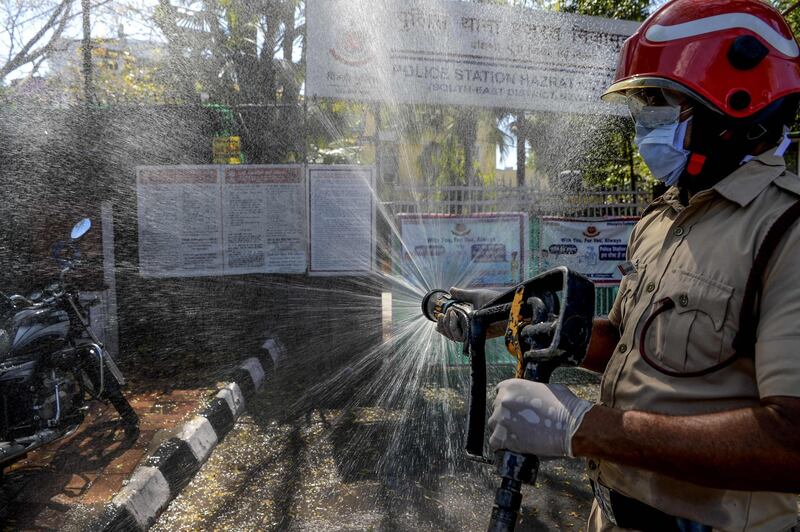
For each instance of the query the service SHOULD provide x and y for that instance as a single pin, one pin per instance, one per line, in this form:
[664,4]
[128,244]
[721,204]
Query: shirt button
[678,231]
[683,300]
[650,286]
[623,348]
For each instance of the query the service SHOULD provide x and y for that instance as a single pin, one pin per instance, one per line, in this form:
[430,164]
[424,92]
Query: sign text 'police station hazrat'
[460,53]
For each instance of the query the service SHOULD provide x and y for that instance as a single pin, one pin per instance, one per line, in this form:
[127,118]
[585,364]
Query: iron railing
[580,202]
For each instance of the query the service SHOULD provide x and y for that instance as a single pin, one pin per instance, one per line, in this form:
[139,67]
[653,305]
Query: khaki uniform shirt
[700,256]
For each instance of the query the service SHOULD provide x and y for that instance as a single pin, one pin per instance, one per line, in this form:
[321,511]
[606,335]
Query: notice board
[341,207]
[221,220]
[180,220]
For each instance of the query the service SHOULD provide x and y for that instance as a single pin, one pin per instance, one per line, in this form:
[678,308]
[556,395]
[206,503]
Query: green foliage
[122,78]
[235,51]
[611,160]
[450,134]
[616,9]
[793,19]
[250,56]
[602,149]
[334,130]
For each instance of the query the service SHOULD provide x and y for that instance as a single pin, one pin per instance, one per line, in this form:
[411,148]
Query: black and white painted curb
[162,475]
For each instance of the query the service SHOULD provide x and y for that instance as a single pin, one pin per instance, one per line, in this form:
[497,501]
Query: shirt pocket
[693,334]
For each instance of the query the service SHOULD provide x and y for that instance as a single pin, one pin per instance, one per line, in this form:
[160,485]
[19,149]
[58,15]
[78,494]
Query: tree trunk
[522,139]
[629,152]
[88,82]
[290,88]
[243,24]
[469,139]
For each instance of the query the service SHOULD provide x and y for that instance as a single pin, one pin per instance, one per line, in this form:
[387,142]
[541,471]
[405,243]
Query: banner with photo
[591,246]
[476,250]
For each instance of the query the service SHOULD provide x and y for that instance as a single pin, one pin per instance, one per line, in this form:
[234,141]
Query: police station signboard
[476,250]
[593,247]
[461,53]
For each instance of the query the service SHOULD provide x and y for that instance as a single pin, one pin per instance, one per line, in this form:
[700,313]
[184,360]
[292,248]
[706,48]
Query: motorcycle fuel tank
[38,329]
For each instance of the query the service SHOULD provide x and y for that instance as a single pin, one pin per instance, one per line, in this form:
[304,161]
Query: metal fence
[537,201]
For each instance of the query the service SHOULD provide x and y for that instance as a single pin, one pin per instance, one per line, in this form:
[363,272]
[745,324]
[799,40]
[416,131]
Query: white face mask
[660,137]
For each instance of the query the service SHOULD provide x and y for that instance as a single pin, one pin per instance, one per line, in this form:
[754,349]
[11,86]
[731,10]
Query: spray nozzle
[437,302]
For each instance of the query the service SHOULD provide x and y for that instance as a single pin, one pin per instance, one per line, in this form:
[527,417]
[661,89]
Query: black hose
[476,421]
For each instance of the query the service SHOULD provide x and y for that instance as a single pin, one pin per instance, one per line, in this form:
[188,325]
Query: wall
[59,165]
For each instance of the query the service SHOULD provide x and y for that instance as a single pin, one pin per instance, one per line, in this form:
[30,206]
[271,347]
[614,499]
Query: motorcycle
[52,363]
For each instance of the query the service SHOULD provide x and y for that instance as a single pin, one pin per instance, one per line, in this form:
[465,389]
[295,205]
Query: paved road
[363,468]
[57,485]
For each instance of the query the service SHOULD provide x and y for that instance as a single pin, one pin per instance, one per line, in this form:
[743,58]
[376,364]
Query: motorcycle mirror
[80,228]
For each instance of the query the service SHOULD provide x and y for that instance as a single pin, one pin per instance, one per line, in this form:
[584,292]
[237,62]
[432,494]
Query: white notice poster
[593,247]
[341,220]
[264,219]
[180,223]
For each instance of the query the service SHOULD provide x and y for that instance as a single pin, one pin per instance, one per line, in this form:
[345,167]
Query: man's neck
[691,185]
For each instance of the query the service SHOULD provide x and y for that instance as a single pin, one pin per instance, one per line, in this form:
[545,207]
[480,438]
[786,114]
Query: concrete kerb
[163,475]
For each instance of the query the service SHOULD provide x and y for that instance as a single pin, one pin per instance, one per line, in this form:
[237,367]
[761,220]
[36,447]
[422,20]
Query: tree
[608,156]
[30,31]
[449,135]
[236,51]
[246,54]
[616,9]
[521,128]
[527,127]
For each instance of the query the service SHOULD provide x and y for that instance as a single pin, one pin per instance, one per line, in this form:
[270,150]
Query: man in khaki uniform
[698,255]
[698,427]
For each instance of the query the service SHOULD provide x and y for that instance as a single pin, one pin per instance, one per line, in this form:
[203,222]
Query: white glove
[453,325]
[535,418]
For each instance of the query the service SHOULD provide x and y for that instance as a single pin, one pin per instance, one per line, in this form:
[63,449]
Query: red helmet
[734,56]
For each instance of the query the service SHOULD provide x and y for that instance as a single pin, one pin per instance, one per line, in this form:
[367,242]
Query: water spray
[547,322]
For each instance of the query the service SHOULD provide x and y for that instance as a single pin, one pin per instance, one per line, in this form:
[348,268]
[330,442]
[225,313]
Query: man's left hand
[535,418]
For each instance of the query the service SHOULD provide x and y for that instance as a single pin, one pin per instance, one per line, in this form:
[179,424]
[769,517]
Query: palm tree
[448,155]
[521,129]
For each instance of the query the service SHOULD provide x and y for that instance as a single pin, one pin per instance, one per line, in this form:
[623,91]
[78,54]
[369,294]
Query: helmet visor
[658,107]
[620,92]
[652,117]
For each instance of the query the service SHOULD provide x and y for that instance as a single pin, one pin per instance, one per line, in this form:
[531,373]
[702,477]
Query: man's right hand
[453,324]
